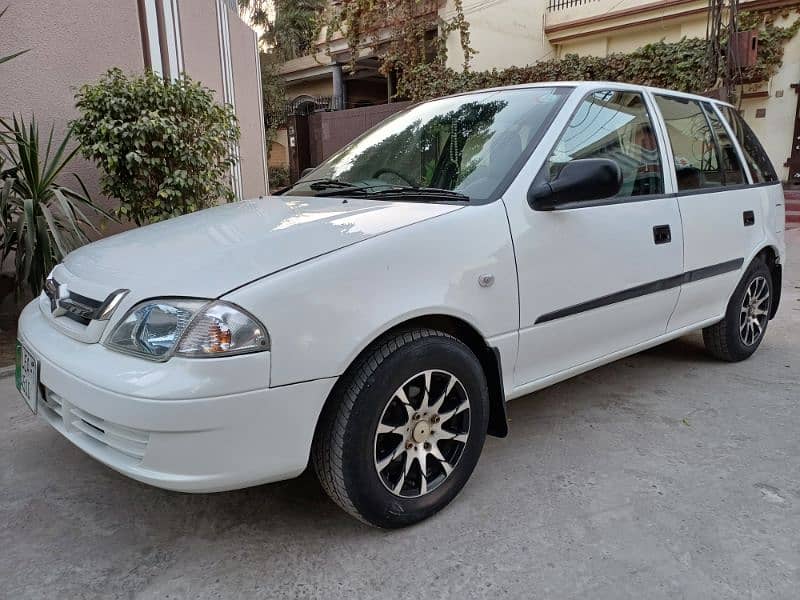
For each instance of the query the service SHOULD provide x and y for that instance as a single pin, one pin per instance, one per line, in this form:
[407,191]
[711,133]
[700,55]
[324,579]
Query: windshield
[467,144]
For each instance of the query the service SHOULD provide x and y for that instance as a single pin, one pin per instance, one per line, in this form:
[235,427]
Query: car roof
[587,86]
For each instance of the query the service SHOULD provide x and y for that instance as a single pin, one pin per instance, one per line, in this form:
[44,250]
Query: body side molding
[642,290]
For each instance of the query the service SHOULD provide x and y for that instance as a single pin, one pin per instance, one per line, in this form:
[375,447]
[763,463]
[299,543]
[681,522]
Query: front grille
[52,403]
[128,441]
[72,305]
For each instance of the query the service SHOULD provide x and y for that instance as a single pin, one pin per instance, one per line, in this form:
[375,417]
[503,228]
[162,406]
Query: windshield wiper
[344,190]
[324,184]
[432,191]
[407,193]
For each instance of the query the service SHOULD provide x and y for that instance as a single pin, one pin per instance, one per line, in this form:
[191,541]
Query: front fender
[321,314]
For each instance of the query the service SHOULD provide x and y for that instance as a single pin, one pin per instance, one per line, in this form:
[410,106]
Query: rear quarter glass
[754,154]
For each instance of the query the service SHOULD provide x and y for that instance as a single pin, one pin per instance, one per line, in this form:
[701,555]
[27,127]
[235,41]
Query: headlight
[157,329]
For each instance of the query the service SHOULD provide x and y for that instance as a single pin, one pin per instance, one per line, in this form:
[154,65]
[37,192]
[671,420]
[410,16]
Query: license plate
[27,376]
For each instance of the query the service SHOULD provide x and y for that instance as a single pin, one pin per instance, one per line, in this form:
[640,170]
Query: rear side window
[694,149]
[732,170]
[757,160]
[613,124]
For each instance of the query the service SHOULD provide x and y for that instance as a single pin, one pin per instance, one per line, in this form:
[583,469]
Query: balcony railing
[553,5]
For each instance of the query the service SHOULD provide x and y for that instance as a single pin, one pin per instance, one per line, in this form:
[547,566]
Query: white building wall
[776,128]
[504,32]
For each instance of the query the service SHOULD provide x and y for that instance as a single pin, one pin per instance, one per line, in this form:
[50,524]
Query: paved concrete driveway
[665,475]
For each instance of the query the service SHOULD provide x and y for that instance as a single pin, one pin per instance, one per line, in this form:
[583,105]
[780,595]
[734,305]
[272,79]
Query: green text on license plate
[27,376]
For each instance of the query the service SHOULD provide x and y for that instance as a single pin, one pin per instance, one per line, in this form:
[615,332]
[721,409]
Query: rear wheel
[404,428]
[739,334]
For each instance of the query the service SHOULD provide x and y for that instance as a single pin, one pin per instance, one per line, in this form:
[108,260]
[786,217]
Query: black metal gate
[314,137]
[299,145]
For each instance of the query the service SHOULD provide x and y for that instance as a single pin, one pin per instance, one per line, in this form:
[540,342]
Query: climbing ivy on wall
[405,34]
[677,65]
[771,40]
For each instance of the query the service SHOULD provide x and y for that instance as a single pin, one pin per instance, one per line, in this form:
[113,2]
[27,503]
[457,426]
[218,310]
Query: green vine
[677,65]
[273,91]
[405,34]
[771,40]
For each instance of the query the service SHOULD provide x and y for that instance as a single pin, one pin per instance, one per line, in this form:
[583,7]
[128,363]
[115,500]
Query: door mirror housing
[579,181]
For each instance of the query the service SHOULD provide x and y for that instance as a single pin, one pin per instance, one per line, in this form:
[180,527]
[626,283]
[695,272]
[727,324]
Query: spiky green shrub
[42,220]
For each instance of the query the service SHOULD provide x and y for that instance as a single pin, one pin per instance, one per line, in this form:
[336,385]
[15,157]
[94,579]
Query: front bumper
[172,425]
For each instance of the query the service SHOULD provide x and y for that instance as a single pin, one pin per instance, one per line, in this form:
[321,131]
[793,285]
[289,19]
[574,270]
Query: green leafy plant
[164,148]
[42,220]
[405,33]
[273,92]
[290,30]
[676,65]
[771,40]
[278,178]
[15,54]
[290,26]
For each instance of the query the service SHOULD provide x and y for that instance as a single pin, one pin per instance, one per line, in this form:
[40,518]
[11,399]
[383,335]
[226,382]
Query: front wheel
[404,428]
[739,334]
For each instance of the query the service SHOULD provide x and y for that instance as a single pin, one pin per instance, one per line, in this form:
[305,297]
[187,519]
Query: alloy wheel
[422,433]
[754,311]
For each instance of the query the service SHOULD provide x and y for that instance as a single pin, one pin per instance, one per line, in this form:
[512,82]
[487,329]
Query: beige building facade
[553,28]
[601,27]
[520,32]
[73,42]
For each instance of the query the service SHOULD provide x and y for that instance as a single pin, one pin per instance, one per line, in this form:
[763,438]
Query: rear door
[764,179]
[597,277]
[722,217]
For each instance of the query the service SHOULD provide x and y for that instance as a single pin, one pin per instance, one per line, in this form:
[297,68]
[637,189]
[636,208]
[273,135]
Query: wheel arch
[488,356]
[771,257]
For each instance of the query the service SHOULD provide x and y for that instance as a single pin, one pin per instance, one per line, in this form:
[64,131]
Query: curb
[7,371]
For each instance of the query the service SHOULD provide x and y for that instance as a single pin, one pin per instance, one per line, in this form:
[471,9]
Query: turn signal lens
[220,337]
[222,329]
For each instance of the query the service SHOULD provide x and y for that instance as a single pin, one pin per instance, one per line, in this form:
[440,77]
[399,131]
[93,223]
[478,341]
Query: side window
[614,124]
[696,156]
[732,170]
[757,160]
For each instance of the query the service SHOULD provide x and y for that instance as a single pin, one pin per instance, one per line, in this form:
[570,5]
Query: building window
[161,37]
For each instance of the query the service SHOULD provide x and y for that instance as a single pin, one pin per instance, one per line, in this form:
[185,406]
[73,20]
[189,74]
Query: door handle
[662,234]
[749,218]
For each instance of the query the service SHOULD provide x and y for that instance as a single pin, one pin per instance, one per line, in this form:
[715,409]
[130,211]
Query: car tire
[382,424]
[740,332]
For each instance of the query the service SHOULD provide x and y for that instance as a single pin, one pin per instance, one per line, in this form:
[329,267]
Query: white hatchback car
[376,317]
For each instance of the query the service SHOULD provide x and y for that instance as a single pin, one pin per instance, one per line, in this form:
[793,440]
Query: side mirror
[579,181]
[306,171]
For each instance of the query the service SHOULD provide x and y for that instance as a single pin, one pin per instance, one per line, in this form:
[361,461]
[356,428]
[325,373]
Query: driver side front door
[599,277]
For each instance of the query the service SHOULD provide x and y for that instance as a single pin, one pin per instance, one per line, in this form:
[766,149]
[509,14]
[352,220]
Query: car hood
[211,252]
